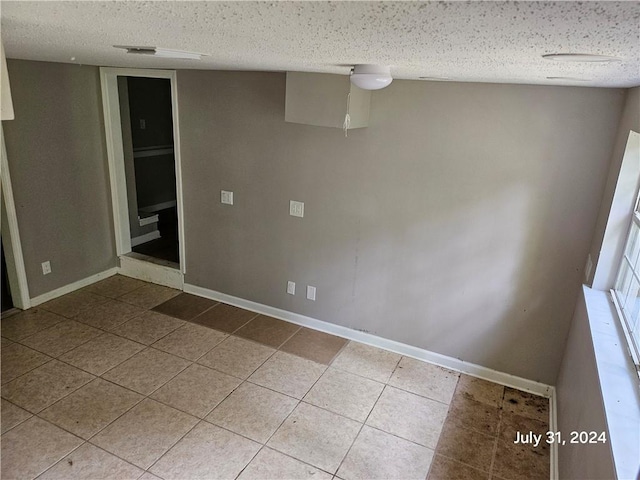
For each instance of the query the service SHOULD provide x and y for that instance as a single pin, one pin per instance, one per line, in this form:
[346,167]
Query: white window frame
[619,297]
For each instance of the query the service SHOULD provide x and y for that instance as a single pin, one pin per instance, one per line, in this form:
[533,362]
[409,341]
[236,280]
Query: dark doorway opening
[147,134]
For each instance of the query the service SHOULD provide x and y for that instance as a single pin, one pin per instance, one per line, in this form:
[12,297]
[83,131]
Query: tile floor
[125,379]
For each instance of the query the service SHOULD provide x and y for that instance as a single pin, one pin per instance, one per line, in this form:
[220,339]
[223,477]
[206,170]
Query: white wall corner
[6,104]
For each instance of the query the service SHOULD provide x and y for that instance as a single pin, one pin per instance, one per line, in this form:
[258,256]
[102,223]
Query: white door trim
[115,154]
[16,271]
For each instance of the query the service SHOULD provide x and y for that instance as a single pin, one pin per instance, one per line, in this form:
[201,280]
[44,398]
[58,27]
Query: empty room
[320,240]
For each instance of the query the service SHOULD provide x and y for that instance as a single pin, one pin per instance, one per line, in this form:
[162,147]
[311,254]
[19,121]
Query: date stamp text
[531,438]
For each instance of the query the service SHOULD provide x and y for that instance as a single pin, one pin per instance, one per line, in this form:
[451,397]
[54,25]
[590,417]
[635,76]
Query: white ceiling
[464,41]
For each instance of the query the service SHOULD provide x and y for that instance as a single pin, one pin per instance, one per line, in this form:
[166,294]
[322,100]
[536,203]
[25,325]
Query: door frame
[117,177]
[16,272]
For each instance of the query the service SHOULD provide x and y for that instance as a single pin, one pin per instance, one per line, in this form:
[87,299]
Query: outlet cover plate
[226,197]
[296,209]
[311,292]
[291,288]
[46,267]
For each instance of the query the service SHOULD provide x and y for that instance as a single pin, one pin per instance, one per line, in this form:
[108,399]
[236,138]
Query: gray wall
[58,164]
[459,221]
[580,405]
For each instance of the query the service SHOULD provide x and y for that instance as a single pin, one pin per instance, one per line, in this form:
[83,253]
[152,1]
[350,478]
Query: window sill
[618,383]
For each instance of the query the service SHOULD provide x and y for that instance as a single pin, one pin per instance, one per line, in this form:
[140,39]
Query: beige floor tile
[146,371]
[268,331]
[91,408]
[26,323]
[288,374]
[443,468]
[5,342]
[517,460]
[409,416]
[102,353]
[511,423]
[144,433]
[379,455]
[17,360]
[185,306]
[237,357]
[89,462]
[72,304]
[315,436]
[12,415]
[367,361]
[345,393]
[313,345]
[149,476]
[269,464]
[252,411]
[197,390]
[148,327]
[466,446]
[149,295]
[526,404]
[115,286]
[32,447]
[521,462]
[61,338]
[225,318]
[425,379]
[480,390]
[108,315]
[206,452]
[468,413]
[190,341]
[36,390]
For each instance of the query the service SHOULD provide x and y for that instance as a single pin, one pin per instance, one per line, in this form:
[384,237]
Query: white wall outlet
[291,288]
[46,267]
[226,197]
[296,209]
[143,124]
[311,292]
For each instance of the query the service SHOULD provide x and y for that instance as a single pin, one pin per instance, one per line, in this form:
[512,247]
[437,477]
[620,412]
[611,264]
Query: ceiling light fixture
[371,77]
[580,57]
[161,52]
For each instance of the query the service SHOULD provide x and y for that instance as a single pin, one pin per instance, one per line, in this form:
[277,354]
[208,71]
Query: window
[627,288]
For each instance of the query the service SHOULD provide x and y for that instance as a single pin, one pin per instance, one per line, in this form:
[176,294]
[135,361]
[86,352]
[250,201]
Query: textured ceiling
[463,41]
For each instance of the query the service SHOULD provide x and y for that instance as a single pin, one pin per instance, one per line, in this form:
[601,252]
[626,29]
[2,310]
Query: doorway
[14,275]
[147,136]
[141,123]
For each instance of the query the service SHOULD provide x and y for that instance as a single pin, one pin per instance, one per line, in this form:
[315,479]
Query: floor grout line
[242,381]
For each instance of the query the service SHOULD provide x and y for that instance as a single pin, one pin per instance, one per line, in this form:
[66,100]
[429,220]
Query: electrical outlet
[226,197]
[291,288]
[311,293]
[143,124]
[46,267]
[296,209]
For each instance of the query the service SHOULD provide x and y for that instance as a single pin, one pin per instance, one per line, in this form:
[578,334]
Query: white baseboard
[391,345]
[58,292]
[147,237]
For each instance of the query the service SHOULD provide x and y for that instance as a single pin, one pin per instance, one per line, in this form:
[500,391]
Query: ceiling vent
[161,52]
